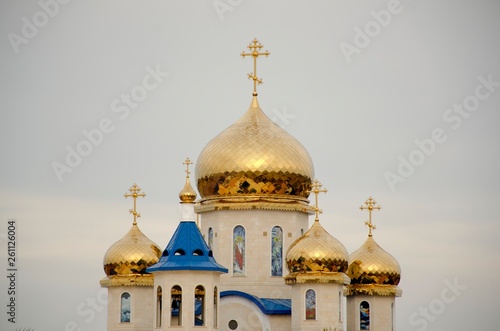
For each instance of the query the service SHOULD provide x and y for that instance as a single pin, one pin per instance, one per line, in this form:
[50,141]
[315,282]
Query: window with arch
[392,316]
[364,315]
[199,306]
[159,310]
[310,304]
[125,307]
[176,306]
[340,306]
[210,238]
[216,308]
[277,251]
[239,238]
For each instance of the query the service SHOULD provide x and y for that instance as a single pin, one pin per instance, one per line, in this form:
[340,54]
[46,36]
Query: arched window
[340,306]
[310,305]
[176,306]
[159,303]
[239,250]
[364,315]
[199,306]
[216,308]
[392,316]
[210,238]
[277,251]
[125,308]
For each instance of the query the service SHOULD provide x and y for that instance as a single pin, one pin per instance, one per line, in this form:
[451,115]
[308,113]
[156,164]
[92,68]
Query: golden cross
[316,186]
[134,194]
[254,47]
[370,206]
[187,163]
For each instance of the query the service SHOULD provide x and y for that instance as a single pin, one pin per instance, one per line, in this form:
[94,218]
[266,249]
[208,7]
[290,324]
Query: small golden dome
[371,264]
[254,156]
[131,255]
[187,194]
[316,250]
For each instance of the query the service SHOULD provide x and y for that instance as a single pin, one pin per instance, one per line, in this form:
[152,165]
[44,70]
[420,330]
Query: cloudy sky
[394,99]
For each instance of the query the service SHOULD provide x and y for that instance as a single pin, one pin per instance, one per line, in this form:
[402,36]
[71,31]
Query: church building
[244,255]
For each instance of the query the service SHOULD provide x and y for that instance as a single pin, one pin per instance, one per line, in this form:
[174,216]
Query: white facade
[381,312]
[258,224]
[141,308]
[188,281]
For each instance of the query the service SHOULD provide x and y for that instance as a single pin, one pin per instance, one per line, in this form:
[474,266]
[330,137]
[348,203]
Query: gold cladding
[315,251]
[371,264]
[254,156]
[372,289]
[322,277]
[131,255]
[187,194]
[128,280]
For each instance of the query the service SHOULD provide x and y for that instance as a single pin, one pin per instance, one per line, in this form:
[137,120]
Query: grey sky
[358,112]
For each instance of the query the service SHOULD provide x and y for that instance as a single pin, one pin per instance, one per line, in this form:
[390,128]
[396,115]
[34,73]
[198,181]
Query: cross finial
[254,48]
[134,194]
[187,163]
[316,189]
[370,206]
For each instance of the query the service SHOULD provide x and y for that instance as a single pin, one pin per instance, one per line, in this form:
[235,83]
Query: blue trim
[267,306]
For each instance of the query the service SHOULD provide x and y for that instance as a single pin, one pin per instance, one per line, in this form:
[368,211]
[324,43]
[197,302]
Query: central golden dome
[254,156]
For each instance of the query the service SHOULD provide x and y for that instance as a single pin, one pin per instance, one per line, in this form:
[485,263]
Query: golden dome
[315,251]
[256,157]
[371,264]
[187,194]
[131,255]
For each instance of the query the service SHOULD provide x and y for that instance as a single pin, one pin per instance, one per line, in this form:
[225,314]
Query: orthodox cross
[254,47]
[134,194]
[187,163]
[370,206]
[316,189]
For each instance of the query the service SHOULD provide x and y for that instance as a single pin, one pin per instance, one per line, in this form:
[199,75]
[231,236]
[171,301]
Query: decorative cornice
[317,277]
[372,289]
[254,202]
[128,280]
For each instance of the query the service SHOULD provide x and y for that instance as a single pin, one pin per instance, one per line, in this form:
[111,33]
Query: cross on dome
[134,194]
[187,163]
[254,47]
[316,189]
[370,206]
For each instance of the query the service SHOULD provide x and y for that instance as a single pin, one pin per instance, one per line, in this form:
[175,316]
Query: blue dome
[187,250]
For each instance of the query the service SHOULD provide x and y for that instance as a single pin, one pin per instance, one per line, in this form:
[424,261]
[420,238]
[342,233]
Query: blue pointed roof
[187,250]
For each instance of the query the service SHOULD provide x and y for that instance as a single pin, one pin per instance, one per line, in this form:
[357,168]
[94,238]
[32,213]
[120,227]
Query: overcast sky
[398,100]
